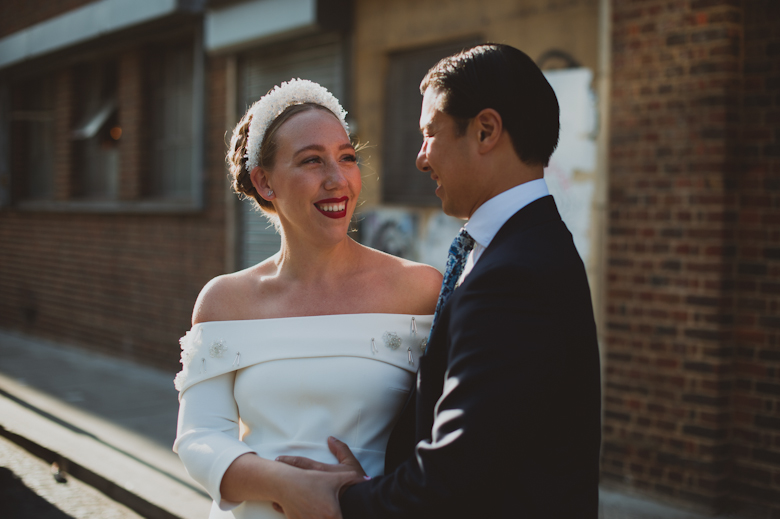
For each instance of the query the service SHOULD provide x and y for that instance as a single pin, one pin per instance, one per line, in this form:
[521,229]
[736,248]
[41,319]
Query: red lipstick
[333,207]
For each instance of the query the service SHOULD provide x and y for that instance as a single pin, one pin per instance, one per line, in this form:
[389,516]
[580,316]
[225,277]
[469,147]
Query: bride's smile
[333,207]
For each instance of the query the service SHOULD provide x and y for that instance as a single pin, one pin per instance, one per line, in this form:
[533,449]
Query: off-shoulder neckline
[301,317]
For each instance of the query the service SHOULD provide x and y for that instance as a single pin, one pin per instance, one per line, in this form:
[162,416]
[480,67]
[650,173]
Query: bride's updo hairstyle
[253,142]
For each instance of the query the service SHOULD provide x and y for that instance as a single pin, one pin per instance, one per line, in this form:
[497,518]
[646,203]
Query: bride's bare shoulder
[417,283]
[225,297]
[217,298]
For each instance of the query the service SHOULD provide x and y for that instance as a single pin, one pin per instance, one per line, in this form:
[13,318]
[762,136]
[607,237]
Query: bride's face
[315,177]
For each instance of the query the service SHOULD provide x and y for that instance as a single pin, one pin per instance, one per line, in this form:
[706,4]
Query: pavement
[110,423]
[27,489]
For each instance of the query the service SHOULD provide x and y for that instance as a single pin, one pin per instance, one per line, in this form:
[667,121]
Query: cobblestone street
[28,490]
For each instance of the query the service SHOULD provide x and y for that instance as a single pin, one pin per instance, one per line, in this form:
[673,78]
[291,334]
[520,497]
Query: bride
[322,339]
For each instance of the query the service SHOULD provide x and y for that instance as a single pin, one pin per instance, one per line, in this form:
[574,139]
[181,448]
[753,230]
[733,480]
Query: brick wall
[756,175]
[16,15]
[691,393]
[120,283]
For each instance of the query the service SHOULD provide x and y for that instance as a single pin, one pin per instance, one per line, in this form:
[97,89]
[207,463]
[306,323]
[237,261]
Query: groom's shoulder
[536,230]
[535,239]
[540,212]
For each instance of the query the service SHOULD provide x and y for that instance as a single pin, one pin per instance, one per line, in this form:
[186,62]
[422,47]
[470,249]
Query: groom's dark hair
[507,80]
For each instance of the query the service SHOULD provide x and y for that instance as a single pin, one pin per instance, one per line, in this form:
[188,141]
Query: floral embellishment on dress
[186,353]
[189,343]
[178,381]
[392,340]
[217,349]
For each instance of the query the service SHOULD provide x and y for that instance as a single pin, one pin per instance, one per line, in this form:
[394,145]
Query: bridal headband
[271,105]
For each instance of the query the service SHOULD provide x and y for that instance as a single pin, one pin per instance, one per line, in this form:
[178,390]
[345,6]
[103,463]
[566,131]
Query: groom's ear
[487,126]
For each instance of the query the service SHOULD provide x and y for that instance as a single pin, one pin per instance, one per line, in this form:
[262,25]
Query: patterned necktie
[456,260]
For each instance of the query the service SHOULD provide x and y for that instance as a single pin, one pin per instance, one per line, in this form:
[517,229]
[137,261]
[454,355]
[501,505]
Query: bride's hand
[347,462]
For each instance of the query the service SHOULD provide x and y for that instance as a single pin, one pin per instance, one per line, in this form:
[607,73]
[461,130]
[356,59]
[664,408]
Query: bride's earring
[270,192]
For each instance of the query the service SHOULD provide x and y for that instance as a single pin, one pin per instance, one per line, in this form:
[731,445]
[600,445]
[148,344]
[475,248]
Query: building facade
[692,394]
[115,207]
[110,219]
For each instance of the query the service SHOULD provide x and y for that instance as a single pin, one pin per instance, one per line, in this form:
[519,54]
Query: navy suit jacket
[505,419]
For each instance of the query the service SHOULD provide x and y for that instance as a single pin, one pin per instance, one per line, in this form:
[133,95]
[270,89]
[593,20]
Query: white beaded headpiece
[271,105]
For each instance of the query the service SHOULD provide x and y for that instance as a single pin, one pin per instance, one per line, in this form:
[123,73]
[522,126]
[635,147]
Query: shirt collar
[493,214]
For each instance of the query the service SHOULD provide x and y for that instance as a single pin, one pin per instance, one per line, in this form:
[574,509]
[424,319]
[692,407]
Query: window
[97,133]
[171,122]
[115,132]
[32,131]
[402,182]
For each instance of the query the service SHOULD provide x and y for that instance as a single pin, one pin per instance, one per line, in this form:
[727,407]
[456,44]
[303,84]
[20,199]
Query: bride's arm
[207,434]
[252,478]
[207,443]
[299,493]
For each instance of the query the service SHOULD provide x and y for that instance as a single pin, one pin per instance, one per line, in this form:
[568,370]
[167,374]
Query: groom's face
[447,157]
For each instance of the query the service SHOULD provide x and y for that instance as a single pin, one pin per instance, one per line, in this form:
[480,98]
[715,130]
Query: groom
[505,419]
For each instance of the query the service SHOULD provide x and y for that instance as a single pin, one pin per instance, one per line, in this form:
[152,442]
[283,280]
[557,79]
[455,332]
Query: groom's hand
[347,462]
[315,495]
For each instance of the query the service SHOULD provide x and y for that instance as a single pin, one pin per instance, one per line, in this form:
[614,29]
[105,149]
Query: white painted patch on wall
[571,175]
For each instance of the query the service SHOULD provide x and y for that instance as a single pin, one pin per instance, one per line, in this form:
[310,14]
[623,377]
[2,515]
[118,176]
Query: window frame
[402,183]
[194,202]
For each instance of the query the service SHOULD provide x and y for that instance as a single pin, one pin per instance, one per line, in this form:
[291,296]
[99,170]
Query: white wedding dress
[292,382]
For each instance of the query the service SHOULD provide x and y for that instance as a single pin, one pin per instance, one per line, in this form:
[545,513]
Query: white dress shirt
[493,214]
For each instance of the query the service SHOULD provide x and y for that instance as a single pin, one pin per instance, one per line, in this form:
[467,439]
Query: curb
[153,490]
[83,474]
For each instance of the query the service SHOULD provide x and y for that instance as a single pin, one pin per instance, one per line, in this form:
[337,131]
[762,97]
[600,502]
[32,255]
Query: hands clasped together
[316,493]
